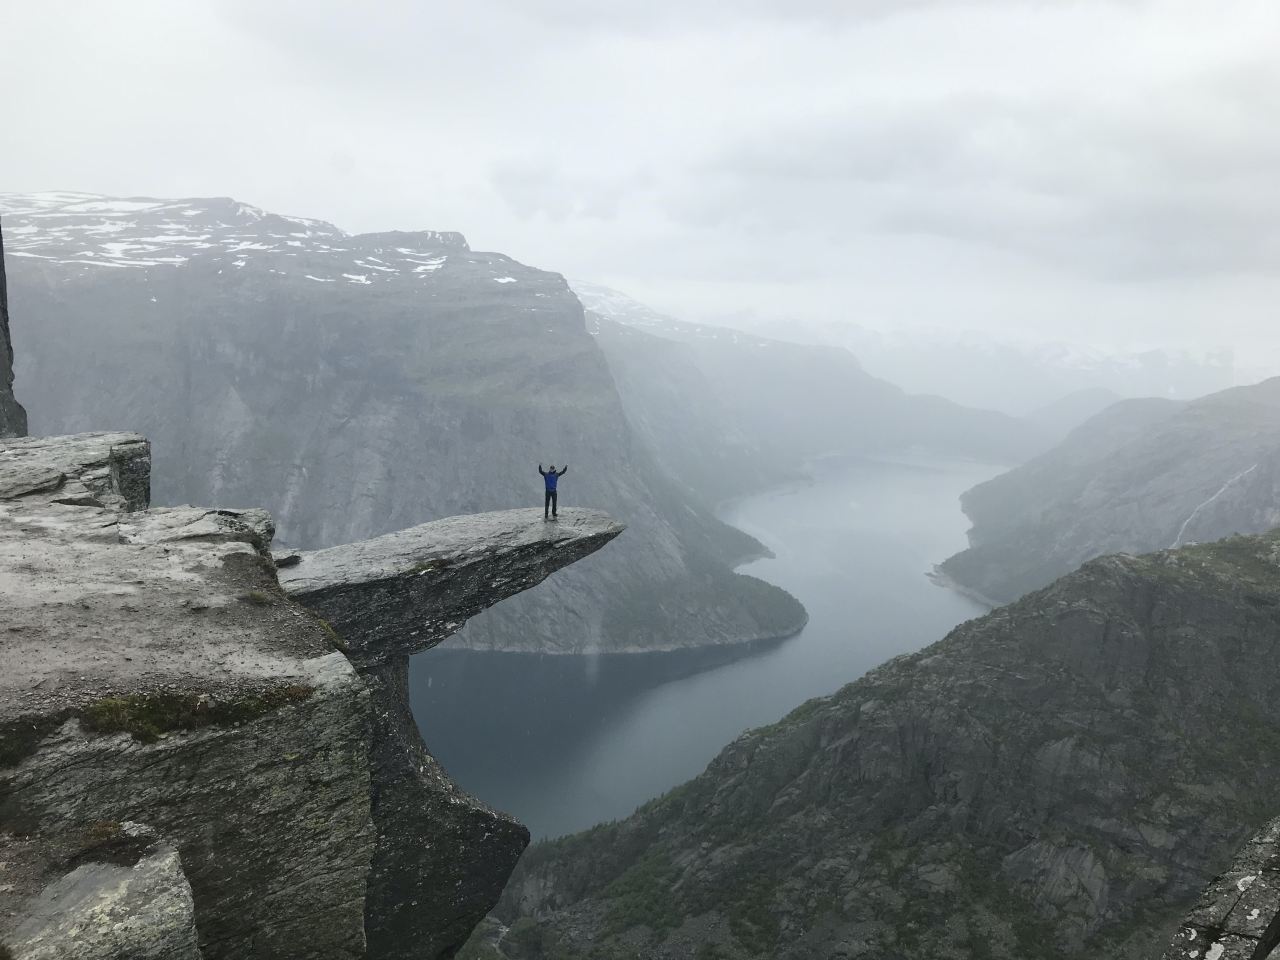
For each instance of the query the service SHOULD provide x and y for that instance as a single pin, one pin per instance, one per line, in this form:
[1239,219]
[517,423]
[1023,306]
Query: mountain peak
[91,231]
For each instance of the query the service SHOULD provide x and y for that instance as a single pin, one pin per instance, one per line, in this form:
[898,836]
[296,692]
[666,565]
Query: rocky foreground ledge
[194,764]
[1238,916]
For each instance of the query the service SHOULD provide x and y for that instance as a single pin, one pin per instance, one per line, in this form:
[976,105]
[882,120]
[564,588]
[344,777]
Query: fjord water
[567,742]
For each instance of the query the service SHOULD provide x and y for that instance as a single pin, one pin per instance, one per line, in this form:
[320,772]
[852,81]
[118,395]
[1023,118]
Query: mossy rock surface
[147,717]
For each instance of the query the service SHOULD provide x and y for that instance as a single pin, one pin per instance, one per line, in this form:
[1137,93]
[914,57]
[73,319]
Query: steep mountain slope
[743,407]
[1142,475]
[1057,779]
[359,384]
[13,419]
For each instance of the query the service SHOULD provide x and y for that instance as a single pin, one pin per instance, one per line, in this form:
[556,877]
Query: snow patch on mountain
[92,231]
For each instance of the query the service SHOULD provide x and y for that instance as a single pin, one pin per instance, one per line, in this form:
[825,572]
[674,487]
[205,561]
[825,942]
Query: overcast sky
[1104,172]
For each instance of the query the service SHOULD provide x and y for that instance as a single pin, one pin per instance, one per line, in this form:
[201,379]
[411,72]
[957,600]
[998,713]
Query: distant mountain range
[1053,781]
[1020,376]
[356,384]
[727,411]
[360,384]
[1142,475]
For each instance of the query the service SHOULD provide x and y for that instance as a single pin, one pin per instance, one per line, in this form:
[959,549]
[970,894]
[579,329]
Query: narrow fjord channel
[567,742]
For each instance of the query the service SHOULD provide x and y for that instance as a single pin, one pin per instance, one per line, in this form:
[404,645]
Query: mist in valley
[926,352]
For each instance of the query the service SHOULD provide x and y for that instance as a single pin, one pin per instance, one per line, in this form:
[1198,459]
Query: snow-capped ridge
[93,231]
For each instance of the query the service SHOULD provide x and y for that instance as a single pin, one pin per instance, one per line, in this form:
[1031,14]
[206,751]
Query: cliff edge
[190,763]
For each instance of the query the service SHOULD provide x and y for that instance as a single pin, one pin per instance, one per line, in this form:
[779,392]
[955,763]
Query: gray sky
[1102,171]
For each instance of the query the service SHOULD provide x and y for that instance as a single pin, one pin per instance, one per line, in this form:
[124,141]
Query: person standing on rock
[550,477]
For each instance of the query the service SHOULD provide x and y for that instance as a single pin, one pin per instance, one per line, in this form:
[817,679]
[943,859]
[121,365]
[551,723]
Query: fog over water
[565,742]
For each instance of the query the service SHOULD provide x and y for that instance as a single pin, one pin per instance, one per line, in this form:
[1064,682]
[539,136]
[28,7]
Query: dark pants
[550,504]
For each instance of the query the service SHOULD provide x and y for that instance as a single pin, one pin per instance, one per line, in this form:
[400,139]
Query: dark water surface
[566,742]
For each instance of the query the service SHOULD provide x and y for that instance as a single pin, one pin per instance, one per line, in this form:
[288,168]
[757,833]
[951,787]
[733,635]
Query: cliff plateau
[195,764]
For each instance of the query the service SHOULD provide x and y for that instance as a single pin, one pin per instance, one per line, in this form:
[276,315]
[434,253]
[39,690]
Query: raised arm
[541,471]
[562,471]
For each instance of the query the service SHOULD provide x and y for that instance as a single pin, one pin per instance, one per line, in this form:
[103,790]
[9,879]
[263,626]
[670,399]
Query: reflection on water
[566,742]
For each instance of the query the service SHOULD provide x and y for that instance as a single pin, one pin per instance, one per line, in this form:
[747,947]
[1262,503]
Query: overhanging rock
[393,596]
[407,591]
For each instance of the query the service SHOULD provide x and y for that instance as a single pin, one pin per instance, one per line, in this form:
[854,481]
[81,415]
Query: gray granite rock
[443,857]
[13,419]
[406,591]
[1238,915]
[124,897]
[157,671]
[396,595]
[154,672]
[83,470]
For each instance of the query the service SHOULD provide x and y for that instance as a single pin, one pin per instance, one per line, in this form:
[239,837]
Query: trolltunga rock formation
[387,598]
[190,763]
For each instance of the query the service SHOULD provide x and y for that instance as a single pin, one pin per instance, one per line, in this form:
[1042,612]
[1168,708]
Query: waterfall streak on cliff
[1177,541]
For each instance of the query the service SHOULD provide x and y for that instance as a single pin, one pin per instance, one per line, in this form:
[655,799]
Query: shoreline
[667,665]
[704,649]
[940,578]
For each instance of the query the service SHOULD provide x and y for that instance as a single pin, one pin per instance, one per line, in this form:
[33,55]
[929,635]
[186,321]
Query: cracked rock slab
[85,469]
[123,898]
[1238,915]
[155,672]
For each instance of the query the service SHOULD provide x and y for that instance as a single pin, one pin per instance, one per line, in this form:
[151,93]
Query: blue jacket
[551,476]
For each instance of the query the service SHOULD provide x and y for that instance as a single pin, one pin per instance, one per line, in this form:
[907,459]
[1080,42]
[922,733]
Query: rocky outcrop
[1054,780]
[124,897]
[88,470]
[1143,475]
[396,595]
[157,673]
[13,419]
[1238,916]
[406,591]
[355,385]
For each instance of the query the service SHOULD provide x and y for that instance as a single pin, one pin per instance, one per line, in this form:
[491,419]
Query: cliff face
[190,753]
[357,385]
[439,854]
[1053,780]
[1143,475]
[13,419]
